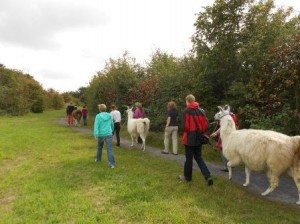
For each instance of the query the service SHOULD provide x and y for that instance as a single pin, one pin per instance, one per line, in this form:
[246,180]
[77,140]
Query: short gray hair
[102,107]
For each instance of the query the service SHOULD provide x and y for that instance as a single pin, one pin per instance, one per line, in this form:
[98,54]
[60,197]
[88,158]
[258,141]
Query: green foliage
[236,60]
[77,97]
[54,100]
[275,92]
[233,41]
[115,84]
[19,93]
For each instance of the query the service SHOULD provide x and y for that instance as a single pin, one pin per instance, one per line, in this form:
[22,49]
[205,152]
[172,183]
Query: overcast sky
[63,43]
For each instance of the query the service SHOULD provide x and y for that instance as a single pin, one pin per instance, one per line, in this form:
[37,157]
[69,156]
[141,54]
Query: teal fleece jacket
[104,125]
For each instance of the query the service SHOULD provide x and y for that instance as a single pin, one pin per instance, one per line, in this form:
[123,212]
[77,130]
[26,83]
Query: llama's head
[223,112]
[129,112]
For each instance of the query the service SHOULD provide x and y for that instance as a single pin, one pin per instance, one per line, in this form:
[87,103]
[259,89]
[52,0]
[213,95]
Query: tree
[54,100]
[19,92]
[232,40]
[116,83]
[276,91]
[217,42]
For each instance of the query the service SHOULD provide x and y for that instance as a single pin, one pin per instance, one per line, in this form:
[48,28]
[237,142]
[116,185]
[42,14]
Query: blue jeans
[190,153]
[110,155]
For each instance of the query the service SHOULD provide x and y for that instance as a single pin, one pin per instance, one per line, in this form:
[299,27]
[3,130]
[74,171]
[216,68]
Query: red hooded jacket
[191,114]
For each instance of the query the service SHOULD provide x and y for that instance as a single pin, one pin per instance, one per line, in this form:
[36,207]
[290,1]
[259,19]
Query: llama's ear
[228,109]
[220,108]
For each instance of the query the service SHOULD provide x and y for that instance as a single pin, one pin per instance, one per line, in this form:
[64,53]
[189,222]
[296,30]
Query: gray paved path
[285,193]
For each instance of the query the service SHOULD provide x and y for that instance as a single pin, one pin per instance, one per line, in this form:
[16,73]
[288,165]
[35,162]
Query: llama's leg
[232,163]
[295,173]
[274,181]
[132,139]
[247,172]
[143,147]
[229,172]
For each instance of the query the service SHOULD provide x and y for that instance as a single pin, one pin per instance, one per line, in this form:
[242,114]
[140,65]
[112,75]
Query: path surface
[286,192]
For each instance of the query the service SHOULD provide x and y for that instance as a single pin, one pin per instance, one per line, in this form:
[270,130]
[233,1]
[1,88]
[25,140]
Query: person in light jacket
[103,132]
[117,121]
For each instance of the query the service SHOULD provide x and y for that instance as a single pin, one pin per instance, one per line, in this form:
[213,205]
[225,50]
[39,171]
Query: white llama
[260,150]
[137,127]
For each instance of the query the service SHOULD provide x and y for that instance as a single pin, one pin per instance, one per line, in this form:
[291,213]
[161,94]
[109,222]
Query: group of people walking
[106,125]
[74,115]
[194,121]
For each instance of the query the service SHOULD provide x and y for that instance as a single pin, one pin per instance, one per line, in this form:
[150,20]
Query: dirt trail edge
[285,193]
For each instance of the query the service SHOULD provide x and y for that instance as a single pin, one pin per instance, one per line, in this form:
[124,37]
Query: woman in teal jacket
[103,131]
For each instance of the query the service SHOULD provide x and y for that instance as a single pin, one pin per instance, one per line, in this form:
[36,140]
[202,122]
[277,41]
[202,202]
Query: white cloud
[34,23]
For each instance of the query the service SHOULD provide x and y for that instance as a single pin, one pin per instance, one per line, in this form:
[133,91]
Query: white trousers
[173,132]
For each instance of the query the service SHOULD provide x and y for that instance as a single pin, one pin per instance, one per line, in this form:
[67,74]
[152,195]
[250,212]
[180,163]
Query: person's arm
[96,131]
[216,133]
[168,121]
[112,125]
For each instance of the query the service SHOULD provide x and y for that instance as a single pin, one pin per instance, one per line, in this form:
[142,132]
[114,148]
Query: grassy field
[48,175]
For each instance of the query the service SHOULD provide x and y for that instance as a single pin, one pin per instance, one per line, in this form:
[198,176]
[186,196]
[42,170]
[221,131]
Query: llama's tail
[296,145]
[146,125]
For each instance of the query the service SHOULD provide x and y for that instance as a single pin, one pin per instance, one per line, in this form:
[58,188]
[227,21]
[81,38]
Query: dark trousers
[196,153]
[84,119]
[117,131]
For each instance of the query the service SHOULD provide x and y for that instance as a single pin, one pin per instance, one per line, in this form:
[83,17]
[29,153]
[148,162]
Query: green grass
[48,175]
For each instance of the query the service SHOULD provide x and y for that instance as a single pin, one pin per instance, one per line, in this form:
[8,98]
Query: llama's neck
[227,126]
[130,115]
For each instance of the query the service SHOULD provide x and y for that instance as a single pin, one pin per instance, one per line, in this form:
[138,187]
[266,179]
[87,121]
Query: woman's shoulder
[173,111]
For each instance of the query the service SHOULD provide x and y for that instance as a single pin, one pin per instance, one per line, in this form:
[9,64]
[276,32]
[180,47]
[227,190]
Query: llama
[260,150]
[77,114]
[137,127]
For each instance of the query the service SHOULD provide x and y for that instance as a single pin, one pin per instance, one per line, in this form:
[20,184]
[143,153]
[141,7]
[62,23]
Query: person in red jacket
[194,119]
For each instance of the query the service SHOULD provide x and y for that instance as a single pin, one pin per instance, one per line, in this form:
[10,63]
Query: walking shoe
[182,178]
[112,167]
[209,181]
[163,152]
[175,154]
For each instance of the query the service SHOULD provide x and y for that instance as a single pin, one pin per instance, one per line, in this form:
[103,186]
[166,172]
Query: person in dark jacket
[69,111]
[194,119]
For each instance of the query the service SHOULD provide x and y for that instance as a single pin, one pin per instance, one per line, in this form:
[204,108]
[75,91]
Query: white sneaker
[112,167]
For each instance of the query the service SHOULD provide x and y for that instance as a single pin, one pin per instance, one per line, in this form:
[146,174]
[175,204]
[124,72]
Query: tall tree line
[20,94]
[246,54]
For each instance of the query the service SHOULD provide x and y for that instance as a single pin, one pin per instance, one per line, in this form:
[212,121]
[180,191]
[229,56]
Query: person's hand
[213,135]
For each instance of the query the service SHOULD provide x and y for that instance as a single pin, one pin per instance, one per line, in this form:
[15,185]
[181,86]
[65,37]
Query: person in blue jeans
[103,132]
